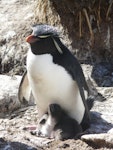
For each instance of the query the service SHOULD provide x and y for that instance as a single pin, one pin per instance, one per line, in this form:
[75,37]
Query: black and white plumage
[55,123]
[55,75]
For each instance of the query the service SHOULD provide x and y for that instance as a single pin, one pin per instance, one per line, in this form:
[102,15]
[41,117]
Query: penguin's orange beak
[31,39]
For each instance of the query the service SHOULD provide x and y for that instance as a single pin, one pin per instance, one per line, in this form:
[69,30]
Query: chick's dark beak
[31,39]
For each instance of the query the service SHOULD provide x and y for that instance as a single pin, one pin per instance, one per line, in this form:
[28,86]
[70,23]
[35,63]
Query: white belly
[50,83]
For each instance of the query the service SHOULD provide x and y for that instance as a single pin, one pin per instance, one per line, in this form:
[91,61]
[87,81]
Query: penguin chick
[57,124]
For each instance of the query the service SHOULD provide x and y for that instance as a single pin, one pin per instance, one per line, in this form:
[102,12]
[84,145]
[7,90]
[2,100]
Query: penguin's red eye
[32,39]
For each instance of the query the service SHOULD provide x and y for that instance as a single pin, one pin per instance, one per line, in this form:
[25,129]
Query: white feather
[47,128]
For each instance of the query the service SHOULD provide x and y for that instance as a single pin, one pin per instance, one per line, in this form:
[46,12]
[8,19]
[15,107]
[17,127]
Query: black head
[56,112]
[44,39]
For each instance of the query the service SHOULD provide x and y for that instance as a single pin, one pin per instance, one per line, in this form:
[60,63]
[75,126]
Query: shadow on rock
[98,124]
[4,145]
[100,134]
[102,73]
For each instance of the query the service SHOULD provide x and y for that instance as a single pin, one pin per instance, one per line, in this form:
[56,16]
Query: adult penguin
[55,75]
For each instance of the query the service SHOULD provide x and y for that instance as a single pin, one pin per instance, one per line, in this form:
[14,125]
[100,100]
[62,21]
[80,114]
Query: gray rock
[8,93]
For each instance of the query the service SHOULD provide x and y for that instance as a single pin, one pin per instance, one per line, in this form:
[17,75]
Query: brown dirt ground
[13,135]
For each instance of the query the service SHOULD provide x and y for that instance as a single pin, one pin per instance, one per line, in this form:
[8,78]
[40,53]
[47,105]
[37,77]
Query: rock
[6,145]
[13,47]
[9,93]
[100,133]
[102,74]
[40,141]
[110,131]
[99,140]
